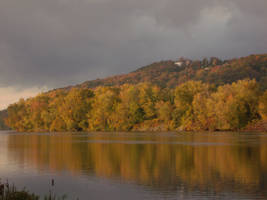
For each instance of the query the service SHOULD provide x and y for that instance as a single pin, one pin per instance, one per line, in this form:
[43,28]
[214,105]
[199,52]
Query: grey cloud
[61,42]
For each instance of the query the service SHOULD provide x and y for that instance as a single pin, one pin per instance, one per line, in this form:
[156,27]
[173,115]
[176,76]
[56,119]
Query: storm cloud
[54,43]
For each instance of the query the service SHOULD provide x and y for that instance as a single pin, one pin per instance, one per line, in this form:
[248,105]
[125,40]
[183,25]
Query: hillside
[169,95]
[172,73]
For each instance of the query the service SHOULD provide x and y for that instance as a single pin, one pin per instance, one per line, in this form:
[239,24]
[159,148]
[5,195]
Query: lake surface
[137,165]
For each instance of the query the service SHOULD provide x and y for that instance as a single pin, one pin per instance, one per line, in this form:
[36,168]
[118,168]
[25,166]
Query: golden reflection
[160,161]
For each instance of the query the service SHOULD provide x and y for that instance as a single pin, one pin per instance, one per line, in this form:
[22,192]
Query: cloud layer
[55,43]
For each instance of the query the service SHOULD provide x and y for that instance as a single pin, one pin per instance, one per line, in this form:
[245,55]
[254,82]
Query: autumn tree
[103,105]
[75,107]
[183,114]
[263,106]
[235,105]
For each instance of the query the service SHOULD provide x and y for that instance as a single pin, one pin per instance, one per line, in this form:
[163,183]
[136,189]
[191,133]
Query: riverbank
[10,192]
[258,126]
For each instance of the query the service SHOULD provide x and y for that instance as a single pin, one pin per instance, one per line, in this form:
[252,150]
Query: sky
[46,44]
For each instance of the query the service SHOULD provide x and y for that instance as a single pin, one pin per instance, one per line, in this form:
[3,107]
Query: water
[137,165]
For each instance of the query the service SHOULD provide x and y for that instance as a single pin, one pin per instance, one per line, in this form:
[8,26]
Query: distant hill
[172,73]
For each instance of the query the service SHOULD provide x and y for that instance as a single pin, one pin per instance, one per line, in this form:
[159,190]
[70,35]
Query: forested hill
[173,73]
[175,95]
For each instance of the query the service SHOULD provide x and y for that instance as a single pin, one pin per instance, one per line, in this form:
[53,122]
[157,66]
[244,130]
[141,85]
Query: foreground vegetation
[190,106]
[10,192]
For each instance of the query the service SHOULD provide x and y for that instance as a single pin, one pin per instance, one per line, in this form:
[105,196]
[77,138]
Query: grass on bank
[10,192]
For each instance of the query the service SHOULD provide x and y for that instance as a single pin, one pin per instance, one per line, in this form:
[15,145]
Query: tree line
[3,115]
[193,105]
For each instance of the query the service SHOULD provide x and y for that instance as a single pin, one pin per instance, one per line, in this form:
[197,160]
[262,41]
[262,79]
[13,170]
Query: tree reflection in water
[163,161]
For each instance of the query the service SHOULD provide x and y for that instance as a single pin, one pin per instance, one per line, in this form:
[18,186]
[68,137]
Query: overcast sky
[54,43]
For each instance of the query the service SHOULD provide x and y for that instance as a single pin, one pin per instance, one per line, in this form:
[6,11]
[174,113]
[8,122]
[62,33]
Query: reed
[10,192]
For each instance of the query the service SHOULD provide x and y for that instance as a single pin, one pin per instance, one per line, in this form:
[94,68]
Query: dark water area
[137,165]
